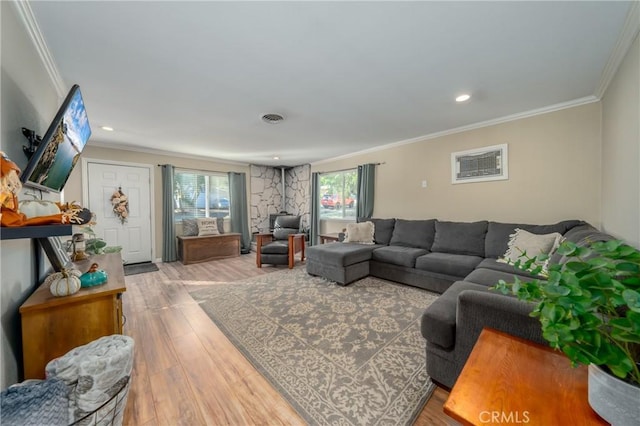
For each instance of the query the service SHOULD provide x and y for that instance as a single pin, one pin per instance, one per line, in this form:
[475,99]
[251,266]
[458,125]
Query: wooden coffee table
[508,380]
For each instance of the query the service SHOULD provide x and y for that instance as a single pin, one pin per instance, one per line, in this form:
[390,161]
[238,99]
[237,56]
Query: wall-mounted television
[59,150]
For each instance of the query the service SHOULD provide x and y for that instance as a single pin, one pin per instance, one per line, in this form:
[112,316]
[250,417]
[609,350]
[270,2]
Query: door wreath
[120,203]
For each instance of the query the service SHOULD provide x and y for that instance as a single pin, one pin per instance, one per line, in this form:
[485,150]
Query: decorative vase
[615,400]
[93,276]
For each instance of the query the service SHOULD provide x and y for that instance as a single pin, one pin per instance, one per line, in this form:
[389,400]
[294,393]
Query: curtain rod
[349,168]
[195,170]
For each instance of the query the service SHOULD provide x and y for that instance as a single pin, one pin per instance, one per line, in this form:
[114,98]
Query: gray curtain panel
[169,251]
[315,209]
[366,189]
[238,208]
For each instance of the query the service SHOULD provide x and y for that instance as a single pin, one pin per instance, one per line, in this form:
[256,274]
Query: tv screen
[60,148]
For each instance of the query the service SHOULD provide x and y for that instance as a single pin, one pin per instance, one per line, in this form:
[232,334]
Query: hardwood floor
[186,372]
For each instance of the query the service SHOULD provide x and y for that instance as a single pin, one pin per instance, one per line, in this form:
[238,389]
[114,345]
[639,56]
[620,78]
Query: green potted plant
[95,245]
[589,308]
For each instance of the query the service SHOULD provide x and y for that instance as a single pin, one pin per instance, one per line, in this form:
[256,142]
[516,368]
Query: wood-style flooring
[186,372]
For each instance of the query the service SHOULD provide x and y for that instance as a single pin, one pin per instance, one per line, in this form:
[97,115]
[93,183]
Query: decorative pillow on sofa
[189,227]
[207,226]
[533,244]
[360,233]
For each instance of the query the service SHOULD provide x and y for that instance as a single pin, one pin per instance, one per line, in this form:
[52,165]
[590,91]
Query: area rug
[140,268]
[349,355]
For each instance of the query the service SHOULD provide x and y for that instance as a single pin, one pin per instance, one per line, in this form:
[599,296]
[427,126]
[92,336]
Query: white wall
[621,150]
[28,100]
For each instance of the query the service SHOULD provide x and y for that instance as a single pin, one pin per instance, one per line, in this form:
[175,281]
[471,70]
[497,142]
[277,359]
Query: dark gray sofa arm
[477,310]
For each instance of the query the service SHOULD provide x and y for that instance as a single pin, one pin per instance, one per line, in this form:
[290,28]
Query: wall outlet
[424,183]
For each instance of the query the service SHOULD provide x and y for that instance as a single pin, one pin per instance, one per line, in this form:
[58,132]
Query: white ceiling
[195,77]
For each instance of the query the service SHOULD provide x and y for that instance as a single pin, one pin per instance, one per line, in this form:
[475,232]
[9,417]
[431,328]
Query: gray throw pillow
[414,233]
[460,237]
[189,227]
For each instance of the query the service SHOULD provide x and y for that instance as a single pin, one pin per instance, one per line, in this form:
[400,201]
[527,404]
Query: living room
[577,159]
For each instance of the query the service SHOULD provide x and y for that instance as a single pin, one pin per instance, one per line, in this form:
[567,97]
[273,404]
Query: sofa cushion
[582,236]
[340,254]
[457,265]
[460,238]
[490,277]
[383,229]
[360,233]
[498,234]
[414,233]
[398,255]
[495,265]
[275,247]
[438,322]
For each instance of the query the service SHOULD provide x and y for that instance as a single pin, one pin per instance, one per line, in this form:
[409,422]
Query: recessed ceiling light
[272,118]
[107,128]
[275,157]
[463,97]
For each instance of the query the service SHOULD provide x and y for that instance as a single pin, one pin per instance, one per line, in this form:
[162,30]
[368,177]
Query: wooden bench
[208,247]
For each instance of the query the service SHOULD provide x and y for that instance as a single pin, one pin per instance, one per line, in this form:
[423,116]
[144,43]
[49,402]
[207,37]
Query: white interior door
[135,234]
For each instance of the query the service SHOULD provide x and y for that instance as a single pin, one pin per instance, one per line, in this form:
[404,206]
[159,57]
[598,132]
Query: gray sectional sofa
[456,259]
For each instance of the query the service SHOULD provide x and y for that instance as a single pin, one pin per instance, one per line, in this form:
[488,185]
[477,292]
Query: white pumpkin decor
[64,283]
[37,208]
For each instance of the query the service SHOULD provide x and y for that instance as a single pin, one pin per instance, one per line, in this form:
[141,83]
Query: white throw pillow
[207,226]
[523,241]
[360,233]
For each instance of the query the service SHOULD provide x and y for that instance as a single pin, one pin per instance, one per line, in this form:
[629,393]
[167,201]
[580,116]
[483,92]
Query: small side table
[509,380]
[329,238]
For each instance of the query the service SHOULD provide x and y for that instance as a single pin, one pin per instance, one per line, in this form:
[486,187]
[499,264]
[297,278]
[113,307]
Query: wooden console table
[329,237]
[52,326]
[508,380]
[208,247]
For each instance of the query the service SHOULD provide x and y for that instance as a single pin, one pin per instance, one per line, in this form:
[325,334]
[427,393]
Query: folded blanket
[36,402]
[95,372]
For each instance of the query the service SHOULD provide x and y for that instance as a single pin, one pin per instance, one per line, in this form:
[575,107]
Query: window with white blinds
[200,194]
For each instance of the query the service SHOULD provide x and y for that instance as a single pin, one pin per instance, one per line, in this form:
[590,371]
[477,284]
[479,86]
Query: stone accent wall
[297,184]
[266,194]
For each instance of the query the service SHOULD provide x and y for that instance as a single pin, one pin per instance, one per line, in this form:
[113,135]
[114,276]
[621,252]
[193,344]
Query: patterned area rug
[340,355]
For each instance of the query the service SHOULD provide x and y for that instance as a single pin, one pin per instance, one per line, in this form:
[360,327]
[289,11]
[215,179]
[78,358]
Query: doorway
[103,178]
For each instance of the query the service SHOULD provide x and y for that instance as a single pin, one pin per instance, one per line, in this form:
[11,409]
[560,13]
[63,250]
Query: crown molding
[30,24]
[627,36]
[474,126]
[154,151]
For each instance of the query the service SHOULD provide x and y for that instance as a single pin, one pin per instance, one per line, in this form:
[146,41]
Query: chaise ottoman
[343,263]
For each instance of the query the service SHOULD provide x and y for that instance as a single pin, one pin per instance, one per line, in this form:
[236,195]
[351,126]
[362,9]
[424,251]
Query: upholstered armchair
[281,246]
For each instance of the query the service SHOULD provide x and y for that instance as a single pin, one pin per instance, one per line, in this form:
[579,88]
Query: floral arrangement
[120,203]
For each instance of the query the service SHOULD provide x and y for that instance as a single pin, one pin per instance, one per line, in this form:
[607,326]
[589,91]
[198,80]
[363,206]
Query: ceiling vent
[272,118]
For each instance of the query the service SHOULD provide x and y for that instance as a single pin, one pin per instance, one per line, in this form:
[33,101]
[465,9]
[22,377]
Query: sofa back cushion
[414,233]
[498,234]
[383,229]
[460,237]
[582,236]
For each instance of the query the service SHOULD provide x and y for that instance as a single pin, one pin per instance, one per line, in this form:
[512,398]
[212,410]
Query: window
[200,194]
[338,194]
